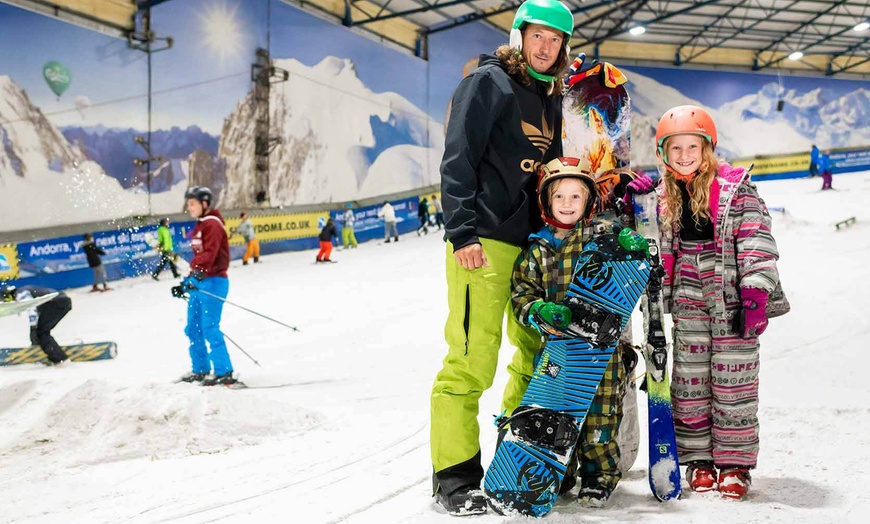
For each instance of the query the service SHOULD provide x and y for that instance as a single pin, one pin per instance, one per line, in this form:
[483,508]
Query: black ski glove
[178,292]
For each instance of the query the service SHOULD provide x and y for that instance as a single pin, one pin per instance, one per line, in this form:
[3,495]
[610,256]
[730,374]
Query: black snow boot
[223,380]
[464,501]
[192,377]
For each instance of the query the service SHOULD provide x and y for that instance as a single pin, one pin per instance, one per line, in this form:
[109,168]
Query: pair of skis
[664,463]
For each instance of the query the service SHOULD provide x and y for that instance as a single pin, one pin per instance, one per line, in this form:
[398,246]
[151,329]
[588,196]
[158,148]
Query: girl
[720,260]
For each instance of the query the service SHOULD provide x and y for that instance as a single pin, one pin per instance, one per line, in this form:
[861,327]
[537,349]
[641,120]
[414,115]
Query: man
[43,318]
[246,229]
[390,228]
[439,212]
[165,249]
[211,258]
[814,161]
[505,120]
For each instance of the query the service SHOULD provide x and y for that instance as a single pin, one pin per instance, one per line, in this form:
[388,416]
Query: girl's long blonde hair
[698,187]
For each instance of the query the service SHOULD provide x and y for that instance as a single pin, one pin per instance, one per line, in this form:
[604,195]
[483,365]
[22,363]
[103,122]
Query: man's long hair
[515,64]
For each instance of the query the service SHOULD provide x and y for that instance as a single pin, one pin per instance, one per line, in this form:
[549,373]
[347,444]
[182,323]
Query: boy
[567,197]
[211,258]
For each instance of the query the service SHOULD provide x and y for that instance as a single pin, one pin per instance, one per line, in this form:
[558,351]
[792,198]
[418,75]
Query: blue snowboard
[532,456]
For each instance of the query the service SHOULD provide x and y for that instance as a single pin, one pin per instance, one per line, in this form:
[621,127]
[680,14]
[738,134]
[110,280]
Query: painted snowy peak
[818,115]
[338,140]
[751,125]
[29,143]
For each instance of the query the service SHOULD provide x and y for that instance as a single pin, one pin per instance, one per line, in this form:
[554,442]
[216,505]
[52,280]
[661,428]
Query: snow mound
[102,421]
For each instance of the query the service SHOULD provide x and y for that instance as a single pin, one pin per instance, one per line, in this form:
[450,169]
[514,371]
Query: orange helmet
[682,120]
[564,167]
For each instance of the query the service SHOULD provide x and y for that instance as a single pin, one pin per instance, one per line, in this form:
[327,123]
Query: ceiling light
[637,30]
[797,55]
[863,26]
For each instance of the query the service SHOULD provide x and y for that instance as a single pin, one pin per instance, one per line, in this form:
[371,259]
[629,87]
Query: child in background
[825,169]
[720,262]
[246,229]
[567,197]
[166,250]
[348,238]
[326,235]
[93,253]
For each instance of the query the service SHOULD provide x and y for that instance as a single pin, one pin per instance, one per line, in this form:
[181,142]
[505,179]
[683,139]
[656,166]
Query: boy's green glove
[556,315]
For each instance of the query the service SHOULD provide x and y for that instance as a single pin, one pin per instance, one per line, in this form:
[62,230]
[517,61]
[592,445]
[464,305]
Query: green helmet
[551,13]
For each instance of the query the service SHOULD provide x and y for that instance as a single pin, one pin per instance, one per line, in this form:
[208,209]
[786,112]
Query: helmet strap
[538,76]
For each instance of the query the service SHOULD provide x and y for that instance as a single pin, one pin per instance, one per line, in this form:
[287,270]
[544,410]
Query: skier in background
[814,161]
[348,238]
[210,360]
[389,216]
[43,318]
[717,288]
[567,197]
[93,253]
[505,119]
[326,235]
[439,212]
[165,249]
[246,229]
[423,216]
[826,170]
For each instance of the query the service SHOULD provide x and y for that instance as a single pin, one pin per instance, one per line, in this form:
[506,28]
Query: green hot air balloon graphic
[57,76]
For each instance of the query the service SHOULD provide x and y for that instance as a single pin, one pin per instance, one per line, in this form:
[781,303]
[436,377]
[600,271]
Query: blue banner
[61,263]
[369,226]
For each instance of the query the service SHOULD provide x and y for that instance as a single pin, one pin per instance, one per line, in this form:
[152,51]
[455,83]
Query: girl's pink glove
[668,263]
[751,321]
[639,186]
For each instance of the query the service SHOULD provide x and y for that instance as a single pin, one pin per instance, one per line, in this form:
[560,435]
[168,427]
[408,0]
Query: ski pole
[242,350]
[212,295]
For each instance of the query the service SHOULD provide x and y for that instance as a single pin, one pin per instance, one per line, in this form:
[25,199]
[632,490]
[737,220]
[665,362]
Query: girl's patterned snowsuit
[714,387]
[543,272]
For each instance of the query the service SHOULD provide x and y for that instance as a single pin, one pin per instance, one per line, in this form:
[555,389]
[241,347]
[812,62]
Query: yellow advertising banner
[270,228]
[774,165]
[8,261]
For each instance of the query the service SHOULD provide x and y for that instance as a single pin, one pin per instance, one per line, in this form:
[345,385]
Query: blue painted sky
[101,67]
[308,39]
[448,52]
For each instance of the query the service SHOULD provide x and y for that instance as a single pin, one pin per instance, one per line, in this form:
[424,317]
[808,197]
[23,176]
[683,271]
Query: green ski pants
[348,238]
[477,300]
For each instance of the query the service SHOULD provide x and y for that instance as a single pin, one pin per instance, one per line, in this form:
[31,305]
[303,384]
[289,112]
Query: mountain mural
[115,149]
[751,124]
[338,140]
[46,180]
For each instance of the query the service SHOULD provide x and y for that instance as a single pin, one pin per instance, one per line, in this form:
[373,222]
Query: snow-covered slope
[346,438]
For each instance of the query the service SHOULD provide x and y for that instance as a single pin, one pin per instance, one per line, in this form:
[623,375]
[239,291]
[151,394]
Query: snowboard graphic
[76,353]
[597,114]
[664,463]
[538,439]
[597,125]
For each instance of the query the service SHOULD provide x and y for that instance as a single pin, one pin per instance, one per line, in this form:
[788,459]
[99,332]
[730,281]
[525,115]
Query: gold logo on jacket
[540,138]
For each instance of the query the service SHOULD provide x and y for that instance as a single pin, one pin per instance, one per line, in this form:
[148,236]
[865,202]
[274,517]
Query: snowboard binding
[543,427]
[593,324]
